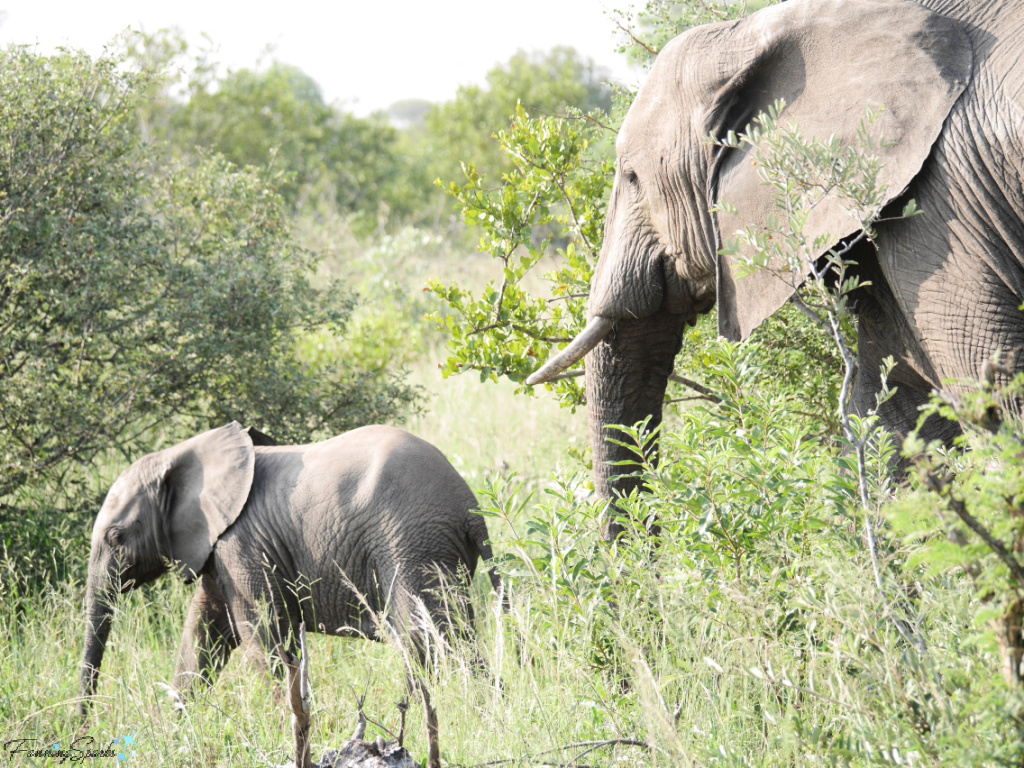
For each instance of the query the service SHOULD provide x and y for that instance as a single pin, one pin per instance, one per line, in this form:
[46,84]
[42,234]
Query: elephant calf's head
[167,509]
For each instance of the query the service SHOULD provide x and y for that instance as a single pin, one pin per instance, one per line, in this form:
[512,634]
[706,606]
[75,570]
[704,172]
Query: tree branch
[523,330]
[635,39]
[587,118]
[959,507]
[707,393]
[589,746]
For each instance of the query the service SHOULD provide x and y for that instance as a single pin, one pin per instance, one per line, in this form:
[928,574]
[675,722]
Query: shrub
[143,299]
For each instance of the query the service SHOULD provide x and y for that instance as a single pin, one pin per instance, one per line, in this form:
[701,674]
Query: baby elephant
[372,520]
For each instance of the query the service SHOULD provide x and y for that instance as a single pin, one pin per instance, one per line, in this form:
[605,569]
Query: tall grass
[752,633]
[701,685]
[485,431]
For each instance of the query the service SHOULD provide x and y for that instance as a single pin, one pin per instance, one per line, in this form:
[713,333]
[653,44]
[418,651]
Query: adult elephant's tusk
[596,329]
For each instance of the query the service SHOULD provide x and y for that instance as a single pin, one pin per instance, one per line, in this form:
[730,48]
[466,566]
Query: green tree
[141,295]
[251,117]
[278,117]
[461,130]
[274,116]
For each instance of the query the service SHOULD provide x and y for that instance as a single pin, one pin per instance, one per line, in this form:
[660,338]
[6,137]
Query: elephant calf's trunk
[99,613]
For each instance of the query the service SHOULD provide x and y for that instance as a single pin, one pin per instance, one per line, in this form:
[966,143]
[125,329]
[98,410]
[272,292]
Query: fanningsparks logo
[77,751]
[126,747]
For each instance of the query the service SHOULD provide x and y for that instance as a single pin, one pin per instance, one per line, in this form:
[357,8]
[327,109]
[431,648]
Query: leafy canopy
[461,130]
[139,292]
[275,116]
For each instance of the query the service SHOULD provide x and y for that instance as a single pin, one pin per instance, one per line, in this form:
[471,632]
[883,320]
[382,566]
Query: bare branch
[434,755]
[587,118]
[941,486]
[403,707]
[298,696]
[568,296]
[707,393]
[635,39]
[588,746]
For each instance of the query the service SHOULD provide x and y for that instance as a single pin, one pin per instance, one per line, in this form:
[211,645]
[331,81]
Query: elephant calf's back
[381,512]
[397,478]
[424,509]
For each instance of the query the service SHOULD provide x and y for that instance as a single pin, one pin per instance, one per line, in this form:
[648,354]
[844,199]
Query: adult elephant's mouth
[685,301]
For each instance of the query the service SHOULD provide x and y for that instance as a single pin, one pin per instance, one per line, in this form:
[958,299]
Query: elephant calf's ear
[208,479]
[830,60]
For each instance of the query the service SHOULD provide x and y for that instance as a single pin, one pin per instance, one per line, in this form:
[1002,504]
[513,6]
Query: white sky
[365,54]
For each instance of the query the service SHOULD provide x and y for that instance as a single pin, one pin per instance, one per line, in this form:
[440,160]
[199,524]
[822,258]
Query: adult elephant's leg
[208,638]
[416,613]
[418,622]
[901,411]
[884,331]
[268,635]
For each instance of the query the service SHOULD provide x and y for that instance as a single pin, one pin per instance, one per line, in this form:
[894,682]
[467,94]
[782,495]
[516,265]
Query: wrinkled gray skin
[292,528]
[946,285]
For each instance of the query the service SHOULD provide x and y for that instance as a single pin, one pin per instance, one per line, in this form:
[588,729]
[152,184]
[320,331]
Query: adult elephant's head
[829,60]
[166,510]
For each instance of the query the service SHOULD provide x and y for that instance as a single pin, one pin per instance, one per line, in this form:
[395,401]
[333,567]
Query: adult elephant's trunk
[99,611]
[626,377]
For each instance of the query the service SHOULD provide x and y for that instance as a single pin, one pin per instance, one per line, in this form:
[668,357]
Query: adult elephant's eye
[115,537]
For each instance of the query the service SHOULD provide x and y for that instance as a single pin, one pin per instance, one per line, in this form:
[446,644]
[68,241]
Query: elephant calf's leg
[431,612]
[208,637]
[264,635]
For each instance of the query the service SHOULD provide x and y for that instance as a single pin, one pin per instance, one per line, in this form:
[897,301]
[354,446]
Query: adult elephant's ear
[830,61]
[205,484]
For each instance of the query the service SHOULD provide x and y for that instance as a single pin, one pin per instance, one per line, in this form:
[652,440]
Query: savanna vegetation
[178,251]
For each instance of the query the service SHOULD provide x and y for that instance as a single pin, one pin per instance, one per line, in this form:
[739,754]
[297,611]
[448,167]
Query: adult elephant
[370,521]
[945,287]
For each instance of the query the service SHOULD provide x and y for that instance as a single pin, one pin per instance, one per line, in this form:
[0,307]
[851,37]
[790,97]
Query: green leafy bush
[964,516]
[750,630]
[142,298]
[557,181]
